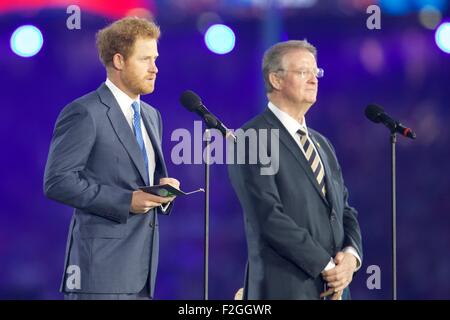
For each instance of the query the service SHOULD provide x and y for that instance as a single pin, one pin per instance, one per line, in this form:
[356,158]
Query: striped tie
[314,160]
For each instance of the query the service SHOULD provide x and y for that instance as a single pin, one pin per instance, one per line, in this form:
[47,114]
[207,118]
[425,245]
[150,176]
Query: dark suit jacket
[94,165]
[292,230]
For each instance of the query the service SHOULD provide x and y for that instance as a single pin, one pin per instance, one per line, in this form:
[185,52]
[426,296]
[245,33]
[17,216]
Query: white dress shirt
[125,103]
[292,126]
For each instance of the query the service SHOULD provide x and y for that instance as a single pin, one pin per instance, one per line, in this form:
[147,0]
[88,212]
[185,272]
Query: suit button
[151,224]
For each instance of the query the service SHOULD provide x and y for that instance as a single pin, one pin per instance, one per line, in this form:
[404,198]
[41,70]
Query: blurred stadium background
[404,66]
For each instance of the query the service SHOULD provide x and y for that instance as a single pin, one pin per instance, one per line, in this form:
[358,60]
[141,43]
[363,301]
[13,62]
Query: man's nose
[312,79]
[153,68]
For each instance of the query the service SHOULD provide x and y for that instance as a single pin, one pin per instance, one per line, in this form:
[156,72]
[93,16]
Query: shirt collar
[122,98]
[291,124]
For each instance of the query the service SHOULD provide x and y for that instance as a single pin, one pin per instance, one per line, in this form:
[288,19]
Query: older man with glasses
[304,240]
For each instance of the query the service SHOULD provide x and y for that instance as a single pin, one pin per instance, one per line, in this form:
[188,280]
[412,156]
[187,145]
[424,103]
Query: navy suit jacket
[94,165]
[292,230]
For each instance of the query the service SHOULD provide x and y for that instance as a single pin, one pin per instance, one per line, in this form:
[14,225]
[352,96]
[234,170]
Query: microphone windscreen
[373,112]
[190,100]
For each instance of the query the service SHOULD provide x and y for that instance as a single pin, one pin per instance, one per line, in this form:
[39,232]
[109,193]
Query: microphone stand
[206,248]
[392,125]
[376,114]
[393,139]
[211,122]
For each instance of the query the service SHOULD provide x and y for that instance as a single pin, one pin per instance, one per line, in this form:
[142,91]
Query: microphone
[191,101]
[375,113]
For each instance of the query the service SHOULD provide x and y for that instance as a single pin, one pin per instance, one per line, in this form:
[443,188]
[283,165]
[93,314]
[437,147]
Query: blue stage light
[26,41]
[438,4]
[396,7]
[220,39]
[442,37]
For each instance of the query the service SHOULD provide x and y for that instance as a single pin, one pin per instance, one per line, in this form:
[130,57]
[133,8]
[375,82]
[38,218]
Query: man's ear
[275,80]
[118,61]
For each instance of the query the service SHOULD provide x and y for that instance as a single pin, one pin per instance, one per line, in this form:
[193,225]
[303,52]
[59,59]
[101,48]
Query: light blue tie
[138,131]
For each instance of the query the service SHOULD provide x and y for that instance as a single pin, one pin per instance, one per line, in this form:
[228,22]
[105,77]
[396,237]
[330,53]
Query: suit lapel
[123,130]
[292,146]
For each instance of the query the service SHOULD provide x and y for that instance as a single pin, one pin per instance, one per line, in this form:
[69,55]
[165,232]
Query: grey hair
[272,60]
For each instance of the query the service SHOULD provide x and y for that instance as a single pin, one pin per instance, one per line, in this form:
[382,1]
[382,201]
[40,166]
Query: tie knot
[136,107]
[301,132]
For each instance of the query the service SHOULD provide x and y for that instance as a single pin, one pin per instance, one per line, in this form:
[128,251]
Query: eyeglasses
[317,72]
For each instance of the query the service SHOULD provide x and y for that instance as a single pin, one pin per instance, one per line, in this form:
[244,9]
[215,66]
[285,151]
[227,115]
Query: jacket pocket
[102,231]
